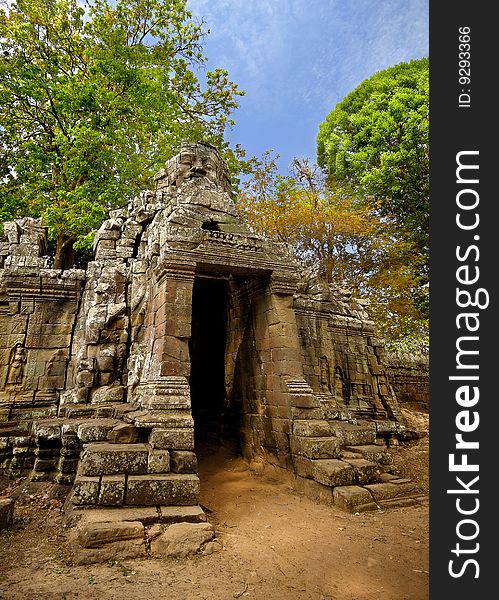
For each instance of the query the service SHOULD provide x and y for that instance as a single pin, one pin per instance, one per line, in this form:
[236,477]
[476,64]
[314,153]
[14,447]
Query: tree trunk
[64,253]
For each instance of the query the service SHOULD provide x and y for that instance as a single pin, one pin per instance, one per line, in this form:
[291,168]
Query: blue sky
[297,59]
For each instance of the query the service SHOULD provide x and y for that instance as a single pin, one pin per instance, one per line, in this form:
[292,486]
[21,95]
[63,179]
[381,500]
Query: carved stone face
[197,162]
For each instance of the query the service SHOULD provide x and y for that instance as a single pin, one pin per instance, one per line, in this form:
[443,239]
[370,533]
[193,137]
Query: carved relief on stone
[325,376]
[17,360]
[339,384]
[195,160]
[84,378]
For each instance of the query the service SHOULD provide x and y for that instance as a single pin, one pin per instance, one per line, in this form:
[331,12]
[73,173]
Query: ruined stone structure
[187,328]
[409,377]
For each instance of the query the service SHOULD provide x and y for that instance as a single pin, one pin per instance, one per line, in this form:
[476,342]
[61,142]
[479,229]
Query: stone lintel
[178,269]
[284,284]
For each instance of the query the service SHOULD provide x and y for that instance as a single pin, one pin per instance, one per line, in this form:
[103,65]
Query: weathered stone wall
[343,361]
[38,309]
[409,376]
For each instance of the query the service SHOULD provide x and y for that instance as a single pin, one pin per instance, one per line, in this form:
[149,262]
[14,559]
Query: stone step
[315,447]
[397,492]
[123,537]
[311,428]
[104,458]
[347,454]
[353,434]
[377,454]
[328,471]
[389,427]
[172,489]
[365,470]
[147,515]
[392,489]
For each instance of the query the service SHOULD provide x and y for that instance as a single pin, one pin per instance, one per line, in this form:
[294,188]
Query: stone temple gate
[187,329]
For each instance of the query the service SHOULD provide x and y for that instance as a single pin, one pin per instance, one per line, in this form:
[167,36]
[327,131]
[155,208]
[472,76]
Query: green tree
[92,102]
[376,142]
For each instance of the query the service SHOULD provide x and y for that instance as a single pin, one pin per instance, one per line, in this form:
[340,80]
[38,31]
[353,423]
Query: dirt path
[273,544]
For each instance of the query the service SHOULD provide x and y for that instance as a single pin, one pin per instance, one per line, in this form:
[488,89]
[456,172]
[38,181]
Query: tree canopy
[92,102]
[347,240]
[376,142]
[322,226]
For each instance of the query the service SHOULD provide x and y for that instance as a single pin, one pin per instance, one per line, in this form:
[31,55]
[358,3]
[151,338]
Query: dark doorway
[207,355]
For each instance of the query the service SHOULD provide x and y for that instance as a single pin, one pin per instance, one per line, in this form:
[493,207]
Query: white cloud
[249,34]
[316,49]
[297,59]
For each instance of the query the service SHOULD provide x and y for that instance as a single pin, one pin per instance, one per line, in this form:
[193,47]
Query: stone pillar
[163,395]
[285,393]
[284,345]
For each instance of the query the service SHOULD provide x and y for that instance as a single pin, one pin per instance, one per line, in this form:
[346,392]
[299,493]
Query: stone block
[112,490]
[44,464]
[80,412]
[311,428]
[350,434]
[158,461]
[181,539]
[6,512]
[94,535]
[70,444]
[178,439]
[387,477]
[112,459]
[177,514]
[333,472]
[316,491]
[281,425]
[86,490]
[113,394]
[304,401]
[303,414]
[95,430]
[388,491]
[123,433]
[174,489]
[68,465]
[70,428]
[315,447]
[147,515]
[365,470]
[353,498]
[377,454]
[168,419]
[104,412]
[303,466]
[47,430]
[116,551]
[183,461]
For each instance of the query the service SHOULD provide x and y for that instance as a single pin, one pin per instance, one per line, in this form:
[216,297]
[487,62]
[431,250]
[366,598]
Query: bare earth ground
[273,544]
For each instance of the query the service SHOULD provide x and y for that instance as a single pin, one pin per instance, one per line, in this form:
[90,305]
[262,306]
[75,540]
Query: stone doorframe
[280,392]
